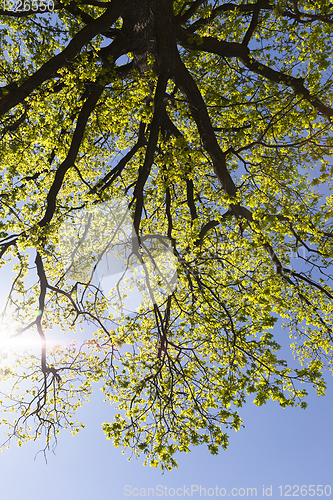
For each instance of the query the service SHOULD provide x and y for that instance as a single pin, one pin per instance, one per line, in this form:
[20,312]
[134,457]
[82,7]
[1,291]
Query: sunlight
[28,341]
[9,342]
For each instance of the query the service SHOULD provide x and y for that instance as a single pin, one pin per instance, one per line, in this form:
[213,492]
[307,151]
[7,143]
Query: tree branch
[253,23]
[52,65]
[85,112]
[149,157]
[297,84]
[109,178]
[211,44]
[226,49]
[190,12]
[188,87]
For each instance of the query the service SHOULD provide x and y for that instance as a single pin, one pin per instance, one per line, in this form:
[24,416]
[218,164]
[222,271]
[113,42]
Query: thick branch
[149,158]
[50,67]
[187,85]
[211,44]
[190,199]
[85,112]
[207,227]
[253,24]
[297,84]
[4,247]
[74,9]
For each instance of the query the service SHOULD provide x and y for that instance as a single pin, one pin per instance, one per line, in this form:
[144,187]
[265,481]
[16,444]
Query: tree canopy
[209,124]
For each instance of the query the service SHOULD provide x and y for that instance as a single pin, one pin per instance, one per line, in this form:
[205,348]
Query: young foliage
[212,122]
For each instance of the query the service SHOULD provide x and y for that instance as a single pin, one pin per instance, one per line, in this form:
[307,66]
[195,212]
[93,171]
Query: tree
[205,118]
